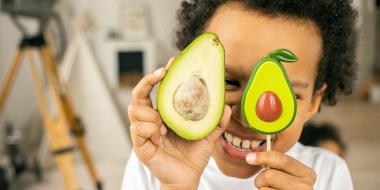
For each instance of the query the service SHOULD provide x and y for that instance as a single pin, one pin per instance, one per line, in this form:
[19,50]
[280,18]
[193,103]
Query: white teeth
[241,144]
[255,144]
[229,138]
[246,144]
[236,141]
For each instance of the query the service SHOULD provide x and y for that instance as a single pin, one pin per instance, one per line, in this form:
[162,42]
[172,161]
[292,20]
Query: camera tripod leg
[75,124]
[10,77]
[56,129]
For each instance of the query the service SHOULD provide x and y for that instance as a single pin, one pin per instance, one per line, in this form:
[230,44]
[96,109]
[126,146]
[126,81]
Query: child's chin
[238,170]
[242,174]
[233,166]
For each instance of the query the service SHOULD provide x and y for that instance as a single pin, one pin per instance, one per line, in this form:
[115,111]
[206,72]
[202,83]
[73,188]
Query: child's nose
[238,116]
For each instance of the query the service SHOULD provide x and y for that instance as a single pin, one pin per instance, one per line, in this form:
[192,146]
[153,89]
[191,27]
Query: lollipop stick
[269,145]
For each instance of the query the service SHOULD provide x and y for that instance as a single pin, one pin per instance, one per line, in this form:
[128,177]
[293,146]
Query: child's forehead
[248,37]
[257,38]
[255,31]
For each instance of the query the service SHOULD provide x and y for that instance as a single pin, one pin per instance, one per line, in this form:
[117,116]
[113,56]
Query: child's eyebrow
[231,71]
[299,84]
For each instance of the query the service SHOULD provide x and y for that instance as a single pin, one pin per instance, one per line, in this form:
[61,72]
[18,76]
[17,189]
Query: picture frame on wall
[135,20]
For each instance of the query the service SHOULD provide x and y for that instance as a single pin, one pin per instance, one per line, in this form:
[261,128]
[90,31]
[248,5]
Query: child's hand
[284,172]
[177,163]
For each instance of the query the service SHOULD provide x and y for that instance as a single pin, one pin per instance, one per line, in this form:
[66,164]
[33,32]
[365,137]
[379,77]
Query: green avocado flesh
[268,104]
[190,98]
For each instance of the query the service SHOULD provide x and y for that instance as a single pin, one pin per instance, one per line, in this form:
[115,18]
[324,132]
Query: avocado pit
[191,99]
[269,107]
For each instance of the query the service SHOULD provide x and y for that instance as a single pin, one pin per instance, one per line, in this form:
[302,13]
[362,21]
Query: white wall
[366,37]
[162,14]
[22,103]
[104,122]
[164,20]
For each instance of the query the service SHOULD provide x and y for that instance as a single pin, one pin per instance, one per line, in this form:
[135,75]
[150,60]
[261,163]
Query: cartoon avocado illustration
[269,104]
[190,98]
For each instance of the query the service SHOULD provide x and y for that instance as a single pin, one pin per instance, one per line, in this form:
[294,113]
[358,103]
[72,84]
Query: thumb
[223,124]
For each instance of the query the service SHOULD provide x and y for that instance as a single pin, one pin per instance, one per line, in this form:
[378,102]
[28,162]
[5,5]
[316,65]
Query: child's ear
[316,101]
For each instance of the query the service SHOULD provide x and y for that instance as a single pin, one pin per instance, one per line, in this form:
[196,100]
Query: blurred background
[102,49]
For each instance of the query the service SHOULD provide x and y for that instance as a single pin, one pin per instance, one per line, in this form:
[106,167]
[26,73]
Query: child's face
[248,36]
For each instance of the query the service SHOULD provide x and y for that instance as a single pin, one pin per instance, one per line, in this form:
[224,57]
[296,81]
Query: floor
[111,174]
[358,121]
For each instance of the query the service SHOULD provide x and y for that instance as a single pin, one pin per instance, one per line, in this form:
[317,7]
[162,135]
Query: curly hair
[335,20]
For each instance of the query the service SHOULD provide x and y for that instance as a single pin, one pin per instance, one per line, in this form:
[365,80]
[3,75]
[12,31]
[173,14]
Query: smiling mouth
[238,147]
[242,144]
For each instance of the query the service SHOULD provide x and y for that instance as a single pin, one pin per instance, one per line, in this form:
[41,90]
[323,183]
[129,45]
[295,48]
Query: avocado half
[190,98]
[268,103]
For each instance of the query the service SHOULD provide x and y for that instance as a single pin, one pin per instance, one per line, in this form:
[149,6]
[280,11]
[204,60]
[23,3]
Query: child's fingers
[163,129]
[142,113]
[167,66]
[141,92]
[222,124]
[279,161]
[143,133]
[226,117]
[278,180]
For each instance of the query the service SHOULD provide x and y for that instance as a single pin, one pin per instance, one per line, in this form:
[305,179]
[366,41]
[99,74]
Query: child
[325,136]
[320,33]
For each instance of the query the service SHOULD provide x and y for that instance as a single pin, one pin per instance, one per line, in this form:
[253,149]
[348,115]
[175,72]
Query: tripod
[57,126]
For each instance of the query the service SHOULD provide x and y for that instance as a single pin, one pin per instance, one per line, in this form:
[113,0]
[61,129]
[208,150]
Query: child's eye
[231,84]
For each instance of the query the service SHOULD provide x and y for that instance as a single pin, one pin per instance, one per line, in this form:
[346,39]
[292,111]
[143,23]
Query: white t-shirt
[332,173]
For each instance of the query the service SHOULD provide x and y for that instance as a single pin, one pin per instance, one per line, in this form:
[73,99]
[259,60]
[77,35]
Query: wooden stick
[269,147]
[269,143]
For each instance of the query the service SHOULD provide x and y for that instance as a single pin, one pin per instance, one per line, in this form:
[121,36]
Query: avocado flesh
[202,60]
[269,76]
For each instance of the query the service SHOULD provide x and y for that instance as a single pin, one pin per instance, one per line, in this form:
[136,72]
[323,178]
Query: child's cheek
[287,138]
